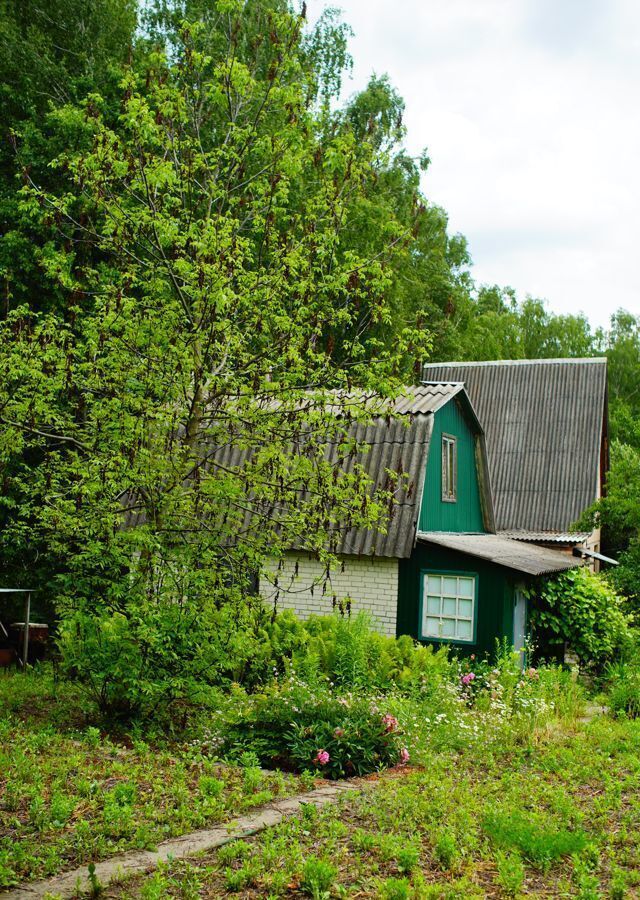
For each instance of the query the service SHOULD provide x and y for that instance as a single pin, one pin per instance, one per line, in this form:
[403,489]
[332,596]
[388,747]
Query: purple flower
[468,678]
[404,756]
[321,758]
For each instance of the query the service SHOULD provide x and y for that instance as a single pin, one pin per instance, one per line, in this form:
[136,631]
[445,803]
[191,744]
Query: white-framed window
[449,468]
[449,606]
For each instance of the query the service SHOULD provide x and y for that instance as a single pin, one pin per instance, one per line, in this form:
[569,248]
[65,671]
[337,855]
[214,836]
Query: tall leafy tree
[51,54]
[206,356]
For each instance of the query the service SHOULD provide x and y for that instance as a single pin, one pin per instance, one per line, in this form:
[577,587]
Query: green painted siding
[496,595]
[466,513]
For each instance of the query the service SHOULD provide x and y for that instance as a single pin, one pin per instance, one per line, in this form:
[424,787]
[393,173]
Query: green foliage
[446,850]
[206,318]
[538,842]
[303,728]
[349,653]
[511,873]
[497,326]
[317,879]
[74,795]
[619,510]
[581,609]
[395,889]
[622,681]
[160,660]
[625,578]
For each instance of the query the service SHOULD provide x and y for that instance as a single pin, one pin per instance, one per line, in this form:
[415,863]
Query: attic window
[449,469]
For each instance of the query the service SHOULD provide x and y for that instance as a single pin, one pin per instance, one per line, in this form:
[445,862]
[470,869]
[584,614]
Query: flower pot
[7,657]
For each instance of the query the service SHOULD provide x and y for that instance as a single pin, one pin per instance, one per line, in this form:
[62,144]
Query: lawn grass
[560,818]
[71,795]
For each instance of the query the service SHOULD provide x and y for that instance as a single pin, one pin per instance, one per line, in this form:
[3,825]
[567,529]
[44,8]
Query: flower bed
[312,729]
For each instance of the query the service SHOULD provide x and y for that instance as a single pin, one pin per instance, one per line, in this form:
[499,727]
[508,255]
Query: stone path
[591,712]
[76,883]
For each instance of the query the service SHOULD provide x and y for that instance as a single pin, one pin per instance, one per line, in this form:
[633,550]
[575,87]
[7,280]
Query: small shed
[438,571]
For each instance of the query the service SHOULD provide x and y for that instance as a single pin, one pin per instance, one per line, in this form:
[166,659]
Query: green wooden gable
[466,512]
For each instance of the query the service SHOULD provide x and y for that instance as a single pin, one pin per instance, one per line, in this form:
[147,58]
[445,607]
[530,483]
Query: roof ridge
[518,362]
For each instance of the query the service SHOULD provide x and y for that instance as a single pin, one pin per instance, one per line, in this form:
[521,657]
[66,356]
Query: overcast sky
[529,110]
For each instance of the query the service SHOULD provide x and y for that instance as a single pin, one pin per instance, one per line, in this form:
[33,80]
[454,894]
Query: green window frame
[448,606]
[449,468]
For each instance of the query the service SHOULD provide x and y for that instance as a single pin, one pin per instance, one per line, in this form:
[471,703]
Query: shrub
[349,653]
[300,728]
[151,660]
[583,610]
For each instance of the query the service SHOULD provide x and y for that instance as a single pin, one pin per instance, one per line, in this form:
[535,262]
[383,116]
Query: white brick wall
[371,583]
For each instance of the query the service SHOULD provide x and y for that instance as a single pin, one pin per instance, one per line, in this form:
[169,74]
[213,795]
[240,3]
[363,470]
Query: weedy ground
[70,794]
[559,817]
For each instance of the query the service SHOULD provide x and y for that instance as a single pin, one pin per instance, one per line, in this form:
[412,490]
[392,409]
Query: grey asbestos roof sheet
[543,422]
[426,398]
[398,445]
[387,444]
[502,551]
[400,448]
[550,537]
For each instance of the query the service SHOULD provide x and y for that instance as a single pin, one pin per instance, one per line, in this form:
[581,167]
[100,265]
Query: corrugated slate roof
[397,447]
[503,551]
[397,444]
[551,537]
[426,398]
[543,422]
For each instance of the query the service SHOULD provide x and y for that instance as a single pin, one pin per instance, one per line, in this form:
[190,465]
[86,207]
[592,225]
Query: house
[546,427]
[439,572]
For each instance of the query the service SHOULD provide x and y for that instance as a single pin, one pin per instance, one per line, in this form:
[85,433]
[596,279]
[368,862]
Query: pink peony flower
[404,756]
[390,723]
[468,678]
[321,758]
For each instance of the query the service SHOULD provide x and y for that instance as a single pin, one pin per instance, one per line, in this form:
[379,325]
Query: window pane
[449,586]
[434,583]
[433,606]
[464,630]
[432,627]
[449,606]
[465,588]
[464,608]
[448,628]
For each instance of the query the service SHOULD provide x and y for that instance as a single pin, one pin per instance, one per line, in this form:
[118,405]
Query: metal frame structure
[27,616]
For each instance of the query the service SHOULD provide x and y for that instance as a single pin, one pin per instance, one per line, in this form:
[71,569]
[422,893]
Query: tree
[498,326]
[206,356]
[622,347]
[51,54]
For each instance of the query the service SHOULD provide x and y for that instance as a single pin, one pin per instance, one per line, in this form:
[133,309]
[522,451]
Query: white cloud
[528,108]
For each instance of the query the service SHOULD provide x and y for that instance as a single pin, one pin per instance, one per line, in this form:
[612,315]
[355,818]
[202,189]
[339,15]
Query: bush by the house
[348,652]
[582,610]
